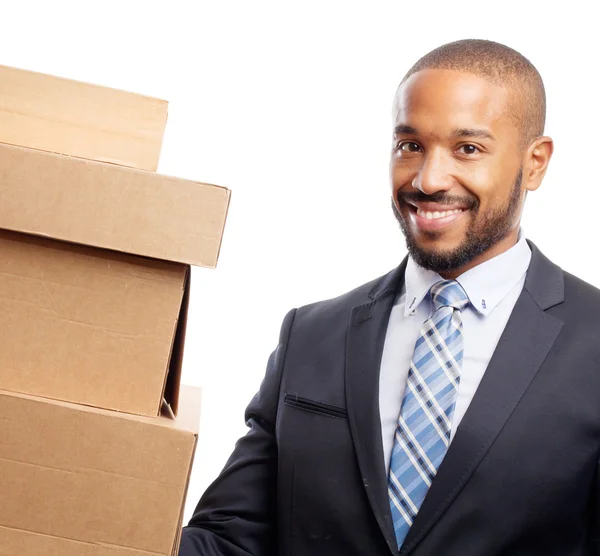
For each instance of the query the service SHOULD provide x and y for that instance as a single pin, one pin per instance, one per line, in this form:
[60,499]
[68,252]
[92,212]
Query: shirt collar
[486,284]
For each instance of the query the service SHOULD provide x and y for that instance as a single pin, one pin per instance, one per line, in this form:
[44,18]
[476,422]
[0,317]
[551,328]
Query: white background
[288,104]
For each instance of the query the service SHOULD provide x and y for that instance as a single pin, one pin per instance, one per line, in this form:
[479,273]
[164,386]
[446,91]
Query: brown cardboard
[108,206]
[90,326]
[79,119]
[80,481]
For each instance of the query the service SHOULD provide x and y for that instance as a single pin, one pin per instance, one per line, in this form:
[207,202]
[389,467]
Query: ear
[535,163]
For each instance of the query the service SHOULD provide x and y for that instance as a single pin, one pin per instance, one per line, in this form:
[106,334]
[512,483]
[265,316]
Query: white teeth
[436,214]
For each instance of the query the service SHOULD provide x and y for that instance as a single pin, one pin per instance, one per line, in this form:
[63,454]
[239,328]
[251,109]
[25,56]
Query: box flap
[190,405]
[173,378]
[190,416]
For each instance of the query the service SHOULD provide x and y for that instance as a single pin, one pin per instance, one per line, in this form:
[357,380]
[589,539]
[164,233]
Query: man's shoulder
[579,291]
[576,301]
[559,291]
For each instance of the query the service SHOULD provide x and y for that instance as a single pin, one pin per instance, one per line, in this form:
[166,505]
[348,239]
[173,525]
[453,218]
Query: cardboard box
[79,119]
[79,481]
[108,206]
[90,326]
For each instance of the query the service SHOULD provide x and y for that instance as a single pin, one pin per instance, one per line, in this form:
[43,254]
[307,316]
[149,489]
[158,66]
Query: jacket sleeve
[236,516]
[593,540]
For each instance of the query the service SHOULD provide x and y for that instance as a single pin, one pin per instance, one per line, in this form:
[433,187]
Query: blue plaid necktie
[425,420]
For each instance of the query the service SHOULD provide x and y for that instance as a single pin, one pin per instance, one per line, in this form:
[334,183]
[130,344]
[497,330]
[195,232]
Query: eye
[408,146]
[469,149]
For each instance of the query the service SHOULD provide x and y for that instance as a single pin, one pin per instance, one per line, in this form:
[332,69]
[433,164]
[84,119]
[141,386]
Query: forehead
[434,101]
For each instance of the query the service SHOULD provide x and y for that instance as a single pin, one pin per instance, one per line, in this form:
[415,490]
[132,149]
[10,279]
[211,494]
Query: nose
[434,174]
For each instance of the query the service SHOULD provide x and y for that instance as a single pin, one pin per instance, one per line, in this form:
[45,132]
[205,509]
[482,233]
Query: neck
[503,245]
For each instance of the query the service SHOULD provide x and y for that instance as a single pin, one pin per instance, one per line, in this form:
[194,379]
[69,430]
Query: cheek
[494,176]
[487,185]
[495,194]
[400,174]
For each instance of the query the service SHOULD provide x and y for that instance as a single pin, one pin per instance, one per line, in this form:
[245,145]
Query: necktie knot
[449,293]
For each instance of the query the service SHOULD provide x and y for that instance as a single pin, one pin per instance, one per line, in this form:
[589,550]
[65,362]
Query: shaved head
[501,65]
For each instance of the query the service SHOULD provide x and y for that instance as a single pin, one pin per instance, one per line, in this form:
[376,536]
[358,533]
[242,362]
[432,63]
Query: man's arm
[236,516]
[593,541]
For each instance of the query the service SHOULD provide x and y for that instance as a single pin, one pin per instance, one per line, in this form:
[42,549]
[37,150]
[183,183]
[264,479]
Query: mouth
[433,216]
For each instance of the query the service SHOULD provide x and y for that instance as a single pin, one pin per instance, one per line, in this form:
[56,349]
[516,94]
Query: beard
[483,232]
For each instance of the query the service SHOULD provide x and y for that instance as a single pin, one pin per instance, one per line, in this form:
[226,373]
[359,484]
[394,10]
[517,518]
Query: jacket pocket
[321,408]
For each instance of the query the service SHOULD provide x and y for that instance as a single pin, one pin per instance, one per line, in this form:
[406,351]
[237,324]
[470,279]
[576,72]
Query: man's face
[455,167]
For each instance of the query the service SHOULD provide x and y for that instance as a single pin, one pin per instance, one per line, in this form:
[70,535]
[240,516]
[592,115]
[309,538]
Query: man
[451,407]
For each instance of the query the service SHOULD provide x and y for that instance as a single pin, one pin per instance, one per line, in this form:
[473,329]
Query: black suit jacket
[519,479]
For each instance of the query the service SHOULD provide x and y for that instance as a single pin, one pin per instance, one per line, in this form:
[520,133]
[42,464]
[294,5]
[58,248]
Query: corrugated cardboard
[79,119]
[90,326]
[80,481]
[108,206]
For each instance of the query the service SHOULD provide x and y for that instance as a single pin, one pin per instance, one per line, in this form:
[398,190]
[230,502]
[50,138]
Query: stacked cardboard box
[95,255]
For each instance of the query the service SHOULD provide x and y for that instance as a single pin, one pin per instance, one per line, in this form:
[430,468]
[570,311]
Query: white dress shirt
[492,287]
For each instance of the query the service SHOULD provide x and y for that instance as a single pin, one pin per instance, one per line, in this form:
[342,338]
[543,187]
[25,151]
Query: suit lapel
[364,348]
[525,343]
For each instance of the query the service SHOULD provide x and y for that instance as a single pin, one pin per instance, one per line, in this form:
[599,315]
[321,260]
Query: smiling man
[461,144]
[452,406]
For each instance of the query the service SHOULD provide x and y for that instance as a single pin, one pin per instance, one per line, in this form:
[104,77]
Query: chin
[438,255]
[436,242]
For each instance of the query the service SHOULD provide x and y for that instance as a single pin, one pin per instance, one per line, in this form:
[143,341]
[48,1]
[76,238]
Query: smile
[434,215]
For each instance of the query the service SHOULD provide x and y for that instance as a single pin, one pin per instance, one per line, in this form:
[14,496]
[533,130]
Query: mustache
[438,197]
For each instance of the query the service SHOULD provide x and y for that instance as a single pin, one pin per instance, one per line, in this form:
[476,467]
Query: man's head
[468,144]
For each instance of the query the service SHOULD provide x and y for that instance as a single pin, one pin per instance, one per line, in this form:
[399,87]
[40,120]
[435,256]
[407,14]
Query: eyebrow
[405,129]
[457,132]
[480,133]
